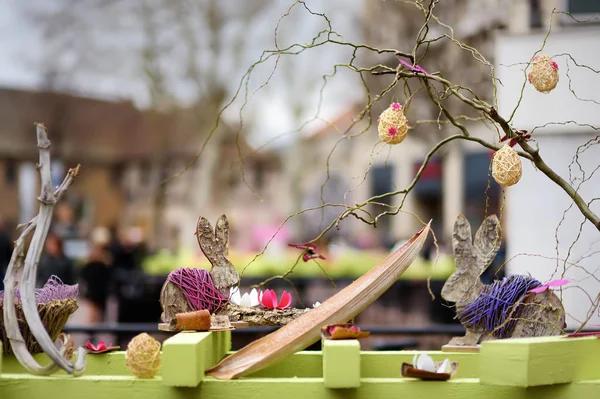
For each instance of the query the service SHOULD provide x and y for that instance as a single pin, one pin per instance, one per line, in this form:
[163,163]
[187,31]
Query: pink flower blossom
[268,299]
[553,283]
[396,106]
[309,251]
[554,65]
[392,130]
[101,347]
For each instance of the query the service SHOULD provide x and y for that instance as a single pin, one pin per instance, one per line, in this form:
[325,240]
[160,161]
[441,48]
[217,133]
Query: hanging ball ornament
[506,166]
[143,356]
[392,125]
[543,74]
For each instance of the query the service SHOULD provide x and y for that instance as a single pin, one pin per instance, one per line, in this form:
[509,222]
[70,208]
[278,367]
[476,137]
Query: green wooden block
[341,363]
[183,358]
[528,362]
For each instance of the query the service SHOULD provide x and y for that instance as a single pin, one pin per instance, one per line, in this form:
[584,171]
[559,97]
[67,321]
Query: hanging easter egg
[392,125]
[506,166]
[143,356]
[543,74]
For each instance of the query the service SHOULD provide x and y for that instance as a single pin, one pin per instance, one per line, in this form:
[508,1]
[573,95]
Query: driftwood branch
[258,316]
[39,227]
[528,152]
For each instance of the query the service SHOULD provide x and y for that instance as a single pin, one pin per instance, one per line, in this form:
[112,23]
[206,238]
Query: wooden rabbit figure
[472,258]
[540,314]
[214,246]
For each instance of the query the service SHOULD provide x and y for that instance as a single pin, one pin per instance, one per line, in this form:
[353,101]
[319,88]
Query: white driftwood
[306,329]
[39,226]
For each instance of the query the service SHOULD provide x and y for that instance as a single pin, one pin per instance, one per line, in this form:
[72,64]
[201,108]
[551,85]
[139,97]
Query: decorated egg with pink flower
[392,125]
[543,74]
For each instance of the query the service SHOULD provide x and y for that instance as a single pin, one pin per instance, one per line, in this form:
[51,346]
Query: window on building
[116,174]
[10,172]
[583,6]
[535,14]
[145,173]
[259,175]
[382,181]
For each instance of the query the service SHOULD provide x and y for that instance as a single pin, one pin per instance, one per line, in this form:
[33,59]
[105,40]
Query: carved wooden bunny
[214,246]
[472,258]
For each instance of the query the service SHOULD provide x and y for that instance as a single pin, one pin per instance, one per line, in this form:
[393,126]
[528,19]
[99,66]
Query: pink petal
[286,300]
[392,130]
[269,299]
[396,106]
[91,346]
[539,289]
[557,283]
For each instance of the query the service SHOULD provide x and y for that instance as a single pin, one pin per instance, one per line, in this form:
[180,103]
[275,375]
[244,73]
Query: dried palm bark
[306,329]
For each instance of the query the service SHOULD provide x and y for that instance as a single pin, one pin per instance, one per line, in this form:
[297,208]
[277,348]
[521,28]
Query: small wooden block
[530,362]
[461,349]
[183,359]
[341,363]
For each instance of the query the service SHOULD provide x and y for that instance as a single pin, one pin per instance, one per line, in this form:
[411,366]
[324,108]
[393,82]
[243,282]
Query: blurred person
[64,225]
[128,278]
[96,276]
[53,262]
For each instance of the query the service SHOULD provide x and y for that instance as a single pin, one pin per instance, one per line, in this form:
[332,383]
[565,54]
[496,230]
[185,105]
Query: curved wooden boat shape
[306,329]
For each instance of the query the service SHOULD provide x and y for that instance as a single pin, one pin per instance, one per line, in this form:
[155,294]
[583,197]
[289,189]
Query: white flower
[444,366]
[316,304]
[247,300]
[425,362]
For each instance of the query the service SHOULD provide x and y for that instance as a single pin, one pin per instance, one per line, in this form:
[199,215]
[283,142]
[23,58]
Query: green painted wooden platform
[554,367]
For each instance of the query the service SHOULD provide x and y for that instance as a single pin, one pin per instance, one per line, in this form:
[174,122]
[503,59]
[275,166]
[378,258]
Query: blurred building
[540,217]
[126,154]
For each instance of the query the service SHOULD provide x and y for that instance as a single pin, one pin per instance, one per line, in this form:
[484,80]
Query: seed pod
[506,166]
[392,124]
[543,74]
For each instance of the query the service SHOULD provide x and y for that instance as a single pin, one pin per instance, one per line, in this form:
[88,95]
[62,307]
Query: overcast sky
[23,50]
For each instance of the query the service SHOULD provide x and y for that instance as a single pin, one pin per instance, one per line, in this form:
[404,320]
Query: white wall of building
[535,206]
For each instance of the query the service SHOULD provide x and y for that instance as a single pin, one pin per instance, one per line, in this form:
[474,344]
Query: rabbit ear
[205,235]
[457,286]
[462,244]
[222,233]
[487,242]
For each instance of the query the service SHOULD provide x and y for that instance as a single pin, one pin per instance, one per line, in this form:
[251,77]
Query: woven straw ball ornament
[143,356]
[506,166]
[543,74]
[392,125]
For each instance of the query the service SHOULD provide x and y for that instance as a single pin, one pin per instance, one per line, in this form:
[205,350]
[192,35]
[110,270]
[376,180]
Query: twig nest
[506,166]
[392,125]
[543,74]
[143,356]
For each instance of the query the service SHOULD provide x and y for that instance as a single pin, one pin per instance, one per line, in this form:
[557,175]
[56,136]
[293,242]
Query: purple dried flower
[54,289]
[491,309]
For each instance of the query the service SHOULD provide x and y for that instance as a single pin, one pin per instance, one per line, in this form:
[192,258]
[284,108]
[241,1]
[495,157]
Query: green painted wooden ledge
[514,369]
